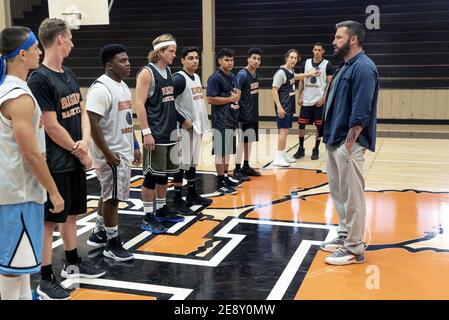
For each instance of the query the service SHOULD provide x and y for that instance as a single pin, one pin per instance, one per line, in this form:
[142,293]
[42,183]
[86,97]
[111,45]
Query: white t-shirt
[112,100]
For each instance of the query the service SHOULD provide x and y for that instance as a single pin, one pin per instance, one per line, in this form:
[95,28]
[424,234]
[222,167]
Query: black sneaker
[232,183]
[182,207]
[166,214]
[300,153]
[239,175]
[52,290]
[224,188]
[114,250]
[196,199]
[97,239]
[153,226]
[315,154]
[82,269]
[250,172]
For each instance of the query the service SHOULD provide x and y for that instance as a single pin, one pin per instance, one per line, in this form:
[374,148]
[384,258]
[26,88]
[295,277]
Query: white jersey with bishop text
[314,87]
[112,100]
[190,104]
[17,183]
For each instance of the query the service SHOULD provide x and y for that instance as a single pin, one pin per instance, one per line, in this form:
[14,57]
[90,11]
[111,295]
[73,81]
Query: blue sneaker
[153,226]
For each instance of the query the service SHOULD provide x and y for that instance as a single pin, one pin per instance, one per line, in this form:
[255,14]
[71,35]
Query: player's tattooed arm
[352,136]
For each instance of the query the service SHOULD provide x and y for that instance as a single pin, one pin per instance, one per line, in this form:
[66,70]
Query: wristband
[146,131]
[136,145]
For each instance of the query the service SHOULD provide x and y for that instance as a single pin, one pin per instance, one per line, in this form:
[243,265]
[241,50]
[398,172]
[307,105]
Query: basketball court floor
[262,243]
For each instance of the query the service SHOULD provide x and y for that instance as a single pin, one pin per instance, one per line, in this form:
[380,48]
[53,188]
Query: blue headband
[29,42]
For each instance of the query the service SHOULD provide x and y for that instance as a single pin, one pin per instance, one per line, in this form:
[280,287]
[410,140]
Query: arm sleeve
[43,92]
[98,99]
[279,79]
[363,87]
[241,79]
[179,82]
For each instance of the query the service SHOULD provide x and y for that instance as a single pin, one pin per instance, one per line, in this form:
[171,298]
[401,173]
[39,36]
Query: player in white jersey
[312,92]
[24,174]
[114,147]
[190,105]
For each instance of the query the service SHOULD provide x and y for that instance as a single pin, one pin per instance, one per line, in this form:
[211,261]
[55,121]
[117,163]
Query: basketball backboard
[80,12]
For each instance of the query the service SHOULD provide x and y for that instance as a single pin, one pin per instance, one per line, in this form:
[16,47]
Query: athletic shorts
[114,180]
[248,132]
[189,149]
[163,160]
[21,238]
[223,142]
[285,123]
[310,115]
[73,189]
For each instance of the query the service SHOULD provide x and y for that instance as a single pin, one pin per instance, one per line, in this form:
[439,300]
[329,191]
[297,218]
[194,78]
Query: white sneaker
[288,158]
[343,257]
[279,161]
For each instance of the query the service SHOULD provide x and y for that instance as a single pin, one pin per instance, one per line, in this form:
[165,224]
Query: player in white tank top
[190,105]
[313,91]
[24,174]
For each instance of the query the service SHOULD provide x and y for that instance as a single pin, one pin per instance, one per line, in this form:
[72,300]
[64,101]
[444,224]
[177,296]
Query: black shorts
[223,142]
[73,189]
[311,115]
[248,132]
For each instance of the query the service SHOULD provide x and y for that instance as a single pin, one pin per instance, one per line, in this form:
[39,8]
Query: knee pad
[301,126]
[149,181]
[162,180]
[191,174]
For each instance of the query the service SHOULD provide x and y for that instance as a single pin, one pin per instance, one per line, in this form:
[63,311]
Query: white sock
[160,203]
[10,287]
[25,288]
[111,232]
[99,224]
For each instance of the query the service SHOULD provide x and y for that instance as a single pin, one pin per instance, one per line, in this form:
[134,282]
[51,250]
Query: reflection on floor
[263,242]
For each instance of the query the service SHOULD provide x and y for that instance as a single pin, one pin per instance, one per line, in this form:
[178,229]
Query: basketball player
[312,102]
[114,147]
[156,111]
[223,95]
[67,131]
[24,173]
[283,92]
[247,82]
[190,104]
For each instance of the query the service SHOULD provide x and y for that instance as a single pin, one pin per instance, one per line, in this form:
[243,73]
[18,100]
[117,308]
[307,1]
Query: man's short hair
[319,44]
[354,28]
[225,52]
[255,50]
[109,51]
[49,29]
[187,50]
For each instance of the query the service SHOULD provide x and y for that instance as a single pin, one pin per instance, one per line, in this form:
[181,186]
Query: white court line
[290,270]
[178,293]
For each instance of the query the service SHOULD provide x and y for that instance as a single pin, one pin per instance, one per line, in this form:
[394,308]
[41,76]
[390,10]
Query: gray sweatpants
[346,187]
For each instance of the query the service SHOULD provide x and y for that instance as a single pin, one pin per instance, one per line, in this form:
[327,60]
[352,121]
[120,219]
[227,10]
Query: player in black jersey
[156,111]
[248,83]
[67,131]
[223,95]
[283,92]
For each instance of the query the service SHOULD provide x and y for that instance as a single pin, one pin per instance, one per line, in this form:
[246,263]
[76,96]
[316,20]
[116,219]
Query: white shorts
[114,181]
[189,148]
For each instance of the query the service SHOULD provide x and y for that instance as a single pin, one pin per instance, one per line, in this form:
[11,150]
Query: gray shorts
[114,181]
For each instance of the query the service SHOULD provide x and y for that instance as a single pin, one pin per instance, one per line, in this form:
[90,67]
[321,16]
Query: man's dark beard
[343,51]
